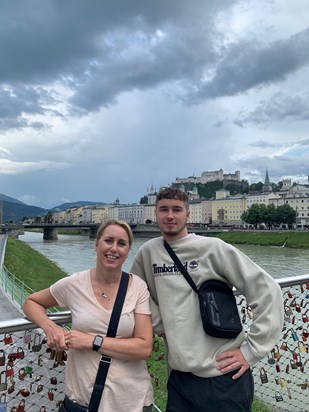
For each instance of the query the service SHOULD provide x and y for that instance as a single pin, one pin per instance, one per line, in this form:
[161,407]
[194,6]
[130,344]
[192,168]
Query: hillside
[65,206]
[14,211]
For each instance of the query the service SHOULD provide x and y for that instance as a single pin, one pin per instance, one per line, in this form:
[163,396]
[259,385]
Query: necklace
[105,296]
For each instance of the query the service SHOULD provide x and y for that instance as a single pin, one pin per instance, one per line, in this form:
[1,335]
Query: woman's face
[113,247]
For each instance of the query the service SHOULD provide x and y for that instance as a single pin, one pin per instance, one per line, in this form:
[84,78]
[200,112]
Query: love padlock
[27,338]
[3,381]
[294,335]
[276,353]
[302,368]
[263,376]
[9,371]
[299,362]
[53,380]
[286,334]
[284,346]
[301,347]
[293,364]
[29,369]
[271,360]
[2,357]
[288,311]
[8,339]
[278,397]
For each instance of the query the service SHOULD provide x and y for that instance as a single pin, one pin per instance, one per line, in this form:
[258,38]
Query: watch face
[97,342]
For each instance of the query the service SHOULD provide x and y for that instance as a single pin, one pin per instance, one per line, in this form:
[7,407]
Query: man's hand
[232,360]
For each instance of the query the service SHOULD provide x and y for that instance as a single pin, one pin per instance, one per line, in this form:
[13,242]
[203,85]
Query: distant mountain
[79,203]
[15,212]
[10,199]
[12,210]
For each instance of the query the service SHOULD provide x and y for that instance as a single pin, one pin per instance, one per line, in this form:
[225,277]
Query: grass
[30,266]
[293,239]
[38,273]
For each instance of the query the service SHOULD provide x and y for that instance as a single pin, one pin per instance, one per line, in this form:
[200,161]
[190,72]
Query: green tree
[209,189]
[254,215]
[144,200]
[269,217]
[256,186]
[285,215]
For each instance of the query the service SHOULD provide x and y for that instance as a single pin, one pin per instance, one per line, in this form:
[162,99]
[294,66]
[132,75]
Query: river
[77,252]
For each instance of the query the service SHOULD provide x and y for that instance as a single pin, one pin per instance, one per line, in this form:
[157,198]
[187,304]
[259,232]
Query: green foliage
[293,239]
[234,189]
[258,406]
[270,215]
[209,189]
[143,200]
[256,186]
[285,214]
[30,266]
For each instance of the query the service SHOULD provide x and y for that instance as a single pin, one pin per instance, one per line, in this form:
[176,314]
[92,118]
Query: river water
[77,252]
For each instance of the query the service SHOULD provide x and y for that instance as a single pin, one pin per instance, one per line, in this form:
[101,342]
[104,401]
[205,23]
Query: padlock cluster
[285,370]
[31,374]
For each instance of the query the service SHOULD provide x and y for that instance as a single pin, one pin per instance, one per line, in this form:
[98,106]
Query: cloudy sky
[101,99]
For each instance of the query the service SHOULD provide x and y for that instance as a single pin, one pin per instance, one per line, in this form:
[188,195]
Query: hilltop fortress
[209,177]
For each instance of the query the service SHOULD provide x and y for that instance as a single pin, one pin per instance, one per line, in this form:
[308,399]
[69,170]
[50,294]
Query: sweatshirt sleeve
[264,296]
[139,269]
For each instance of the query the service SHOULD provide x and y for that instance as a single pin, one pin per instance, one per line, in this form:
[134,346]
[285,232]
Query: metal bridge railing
[31,375]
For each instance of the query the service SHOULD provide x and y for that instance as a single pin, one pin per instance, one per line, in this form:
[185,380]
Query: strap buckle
[106,359]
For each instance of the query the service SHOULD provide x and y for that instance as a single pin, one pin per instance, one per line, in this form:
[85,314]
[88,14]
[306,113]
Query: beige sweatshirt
[175,306]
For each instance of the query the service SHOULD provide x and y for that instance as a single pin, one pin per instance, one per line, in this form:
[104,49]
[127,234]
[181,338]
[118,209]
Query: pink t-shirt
[128,384]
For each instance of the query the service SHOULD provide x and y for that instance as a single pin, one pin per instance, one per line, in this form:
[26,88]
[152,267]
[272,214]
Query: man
[208,374]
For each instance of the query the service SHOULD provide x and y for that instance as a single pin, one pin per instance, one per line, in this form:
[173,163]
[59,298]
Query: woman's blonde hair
[110,222]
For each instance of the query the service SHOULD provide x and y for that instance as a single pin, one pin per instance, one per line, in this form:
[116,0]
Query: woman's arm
[137,347]
[35,307]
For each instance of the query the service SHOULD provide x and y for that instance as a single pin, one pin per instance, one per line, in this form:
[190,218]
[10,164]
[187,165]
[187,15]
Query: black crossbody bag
[218,306]
[105,361]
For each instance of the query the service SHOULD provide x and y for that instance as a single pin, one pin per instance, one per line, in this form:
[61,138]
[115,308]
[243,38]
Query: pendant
[104,296]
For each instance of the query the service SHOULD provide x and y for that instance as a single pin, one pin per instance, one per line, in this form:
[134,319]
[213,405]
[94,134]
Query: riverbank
[30,266]
[288,238]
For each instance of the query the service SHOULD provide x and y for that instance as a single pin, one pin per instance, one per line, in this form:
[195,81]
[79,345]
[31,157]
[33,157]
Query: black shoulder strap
[105,361]
[180,266]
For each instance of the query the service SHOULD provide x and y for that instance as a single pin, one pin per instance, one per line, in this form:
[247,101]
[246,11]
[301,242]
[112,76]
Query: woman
[90,295]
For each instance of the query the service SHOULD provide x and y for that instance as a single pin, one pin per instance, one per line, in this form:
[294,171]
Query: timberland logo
[193,265]
[165,270]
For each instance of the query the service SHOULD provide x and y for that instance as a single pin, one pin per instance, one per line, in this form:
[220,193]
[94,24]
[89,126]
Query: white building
[132,214]
[260,199]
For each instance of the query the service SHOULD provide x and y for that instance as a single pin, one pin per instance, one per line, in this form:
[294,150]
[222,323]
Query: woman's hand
[55,336]
[75,339]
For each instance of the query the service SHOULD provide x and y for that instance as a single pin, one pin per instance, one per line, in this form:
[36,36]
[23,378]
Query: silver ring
[67,342]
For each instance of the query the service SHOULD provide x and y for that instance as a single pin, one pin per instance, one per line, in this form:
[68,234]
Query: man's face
[172,216]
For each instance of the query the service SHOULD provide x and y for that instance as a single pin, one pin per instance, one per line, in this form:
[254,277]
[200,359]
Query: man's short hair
[173,193]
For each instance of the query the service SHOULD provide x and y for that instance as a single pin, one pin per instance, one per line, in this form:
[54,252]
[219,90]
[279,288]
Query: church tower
[267,187]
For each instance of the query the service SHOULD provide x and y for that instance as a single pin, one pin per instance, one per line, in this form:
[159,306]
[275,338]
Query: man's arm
[146,274]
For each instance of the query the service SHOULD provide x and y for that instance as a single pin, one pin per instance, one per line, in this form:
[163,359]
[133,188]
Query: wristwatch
[97,342]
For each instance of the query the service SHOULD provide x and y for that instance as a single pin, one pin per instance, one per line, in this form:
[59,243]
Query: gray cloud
[278,107]
[101,99]
[249,64]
